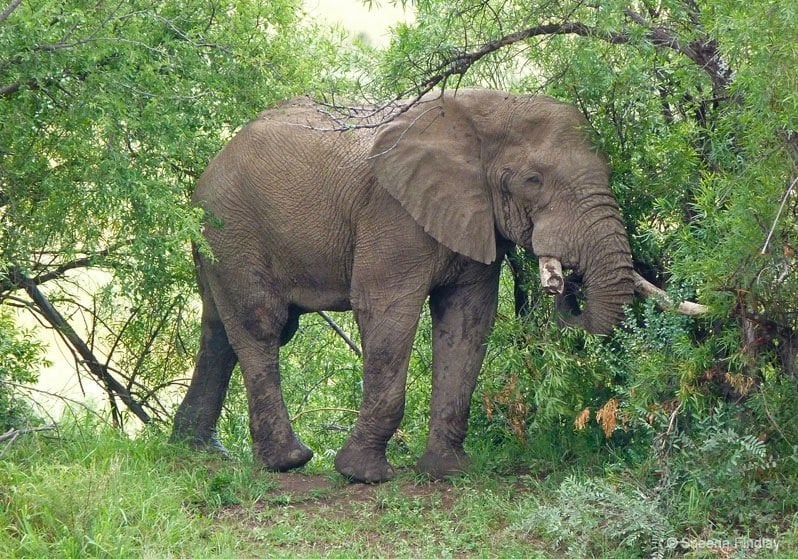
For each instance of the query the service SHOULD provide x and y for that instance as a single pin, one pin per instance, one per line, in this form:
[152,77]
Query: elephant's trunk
[603,280]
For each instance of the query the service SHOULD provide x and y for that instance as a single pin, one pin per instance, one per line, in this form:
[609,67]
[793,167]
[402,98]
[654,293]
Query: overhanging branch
[9,283]
[13,5]
[702,51]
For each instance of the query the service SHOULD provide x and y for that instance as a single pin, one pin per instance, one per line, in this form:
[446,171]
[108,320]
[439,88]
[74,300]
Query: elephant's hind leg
[274,443]
[195,420]
[256,332]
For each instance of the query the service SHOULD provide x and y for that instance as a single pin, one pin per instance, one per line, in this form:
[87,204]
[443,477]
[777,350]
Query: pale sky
[355,16]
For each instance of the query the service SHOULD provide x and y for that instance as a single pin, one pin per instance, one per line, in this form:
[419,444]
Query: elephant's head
[477,164]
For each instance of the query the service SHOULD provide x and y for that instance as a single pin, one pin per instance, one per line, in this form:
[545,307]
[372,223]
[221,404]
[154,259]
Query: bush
[587,516]
[20,357]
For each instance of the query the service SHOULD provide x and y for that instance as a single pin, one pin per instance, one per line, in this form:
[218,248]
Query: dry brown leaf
[606,416]
[582,419]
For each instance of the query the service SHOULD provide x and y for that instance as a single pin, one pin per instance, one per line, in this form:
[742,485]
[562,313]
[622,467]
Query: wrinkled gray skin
[304,219]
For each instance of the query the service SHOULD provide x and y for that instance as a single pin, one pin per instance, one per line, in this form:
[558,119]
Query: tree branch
[9,283]
[703,52]
[14,433]
[61,397]
[57,320]
[9,9]
[59,271]
[778,215]
[315,410]
[338,330]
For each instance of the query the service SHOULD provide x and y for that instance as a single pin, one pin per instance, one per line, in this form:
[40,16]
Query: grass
[88,491]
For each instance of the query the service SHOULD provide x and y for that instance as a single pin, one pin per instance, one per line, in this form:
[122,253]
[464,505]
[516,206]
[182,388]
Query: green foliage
[20,357]
[101,495]
[584,517]
[715,470]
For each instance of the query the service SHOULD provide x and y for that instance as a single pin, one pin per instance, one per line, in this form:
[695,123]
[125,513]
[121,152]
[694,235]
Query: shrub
[20,356]
[586,516]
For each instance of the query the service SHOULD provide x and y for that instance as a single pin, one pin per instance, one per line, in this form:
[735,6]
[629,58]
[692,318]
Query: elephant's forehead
[538,141]
[540,153]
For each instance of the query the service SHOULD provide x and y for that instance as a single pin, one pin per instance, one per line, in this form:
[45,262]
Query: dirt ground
[314,492]
[319,515]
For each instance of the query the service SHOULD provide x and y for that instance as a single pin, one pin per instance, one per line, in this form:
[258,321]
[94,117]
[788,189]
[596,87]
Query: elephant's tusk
[646,289]
[551,275]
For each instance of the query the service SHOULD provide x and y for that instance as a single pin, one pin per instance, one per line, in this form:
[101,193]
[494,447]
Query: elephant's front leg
[461,319]
[387,337]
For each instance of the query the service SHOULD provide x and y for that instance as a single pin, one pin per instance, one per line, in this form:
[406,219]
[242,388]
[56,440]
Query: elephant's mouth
[596,305]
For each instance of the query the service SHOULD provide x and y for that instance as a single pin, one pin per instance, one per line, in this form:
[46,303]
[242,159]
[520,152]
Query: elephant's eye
[535,179]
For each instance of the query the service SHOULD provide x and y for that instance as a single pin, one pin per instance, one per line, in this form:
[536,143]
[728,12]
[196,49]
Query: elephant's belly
[324,287]
[314,272]
[321,298]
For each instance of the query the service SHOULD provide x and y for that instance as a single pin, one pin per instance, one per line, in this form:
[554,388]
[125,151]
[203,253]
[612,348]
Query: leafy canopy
[109,112]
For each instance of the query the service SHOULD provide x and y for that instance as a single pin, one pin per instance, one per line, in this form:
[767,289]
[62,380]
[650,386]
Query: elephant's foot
[206,442]
[284,457]
[440,465]
[363,464]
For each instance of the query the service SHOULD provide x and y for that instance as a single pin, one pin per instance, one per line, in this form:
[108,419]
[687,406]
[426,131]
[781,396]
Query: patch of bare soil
[318,500]
[311,515]
[332,497]
[310,490]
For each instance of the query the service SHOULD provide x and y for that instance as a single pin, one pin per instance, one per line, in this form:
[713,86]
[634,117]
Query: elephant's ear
[429,160]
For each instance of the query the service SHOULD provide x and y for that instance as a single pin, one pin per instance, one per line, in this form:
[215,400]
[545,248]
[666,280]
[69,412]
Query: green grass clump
[92,492]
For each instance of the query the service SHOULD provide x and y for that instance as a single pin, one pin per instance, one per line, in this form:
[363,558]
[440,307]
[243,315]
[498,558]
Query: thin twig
[14,433]
[338,330]
[773,422]
[65,399]
[778,215]
[314,410]
[402,135]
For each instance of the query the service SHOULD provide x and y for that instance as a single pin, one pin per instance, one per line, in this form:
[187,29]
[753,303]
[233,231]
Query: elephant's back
[289,159]
[285,190]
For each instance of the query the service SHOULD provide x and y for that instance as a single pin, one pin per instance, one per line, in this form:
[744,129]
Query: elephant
[303,217]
